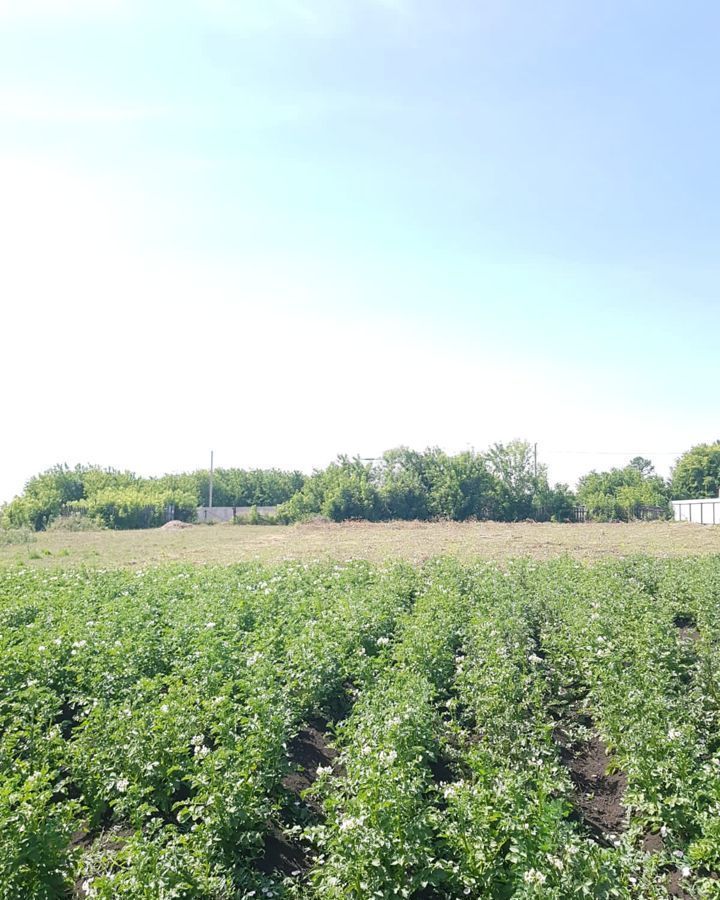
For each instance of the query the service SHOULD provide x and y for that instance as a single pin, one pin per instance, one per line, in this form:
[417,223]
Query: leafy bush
[45,496]
[124,500]
[17,536]
[137,506]
[75,521]
[344,490]
[237,487]
[254,517]
[697,473]
[406,484]
[617,494]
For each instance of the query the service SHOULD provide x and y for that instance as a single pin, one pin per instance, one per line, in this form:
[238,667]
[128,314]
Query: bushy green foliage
[434,485]
[148,720]
[139,505]
[346,489]
[60,489]
[22,535]
[618,493]
[407,484]
[697,473]
[502,484]
[115,499]
[255,517]
[45,497]
[237,487]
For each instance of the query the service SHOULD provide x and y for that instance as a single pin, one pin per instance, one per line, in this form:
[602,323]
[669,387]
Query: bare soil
[598,793]
[308,750]
[686,628]
[109,841]
[653,843]
[283,855]
[675,888]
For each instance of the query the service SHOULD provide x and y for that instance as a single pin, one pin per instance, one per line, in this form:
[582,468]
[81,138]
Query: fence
[703,512]
[638,511]
[648,513]
[228,513]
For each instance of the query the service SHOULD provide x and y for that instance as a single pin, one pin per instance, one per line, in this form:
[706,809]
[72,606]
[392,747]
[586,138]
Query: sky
[288,229]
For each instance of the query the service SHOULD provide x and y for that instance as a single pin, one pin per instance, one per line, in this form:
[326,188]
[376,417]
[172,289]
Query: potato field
[540,730]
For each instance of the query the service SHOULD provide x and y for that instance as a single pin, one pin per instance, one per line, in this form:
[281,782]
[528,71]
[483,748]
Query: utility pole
[211,479]
[535,459]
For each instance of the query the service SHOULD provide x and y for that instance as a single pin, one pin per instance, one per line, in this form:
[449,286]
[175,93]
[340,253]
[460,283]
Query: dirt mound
[174,524]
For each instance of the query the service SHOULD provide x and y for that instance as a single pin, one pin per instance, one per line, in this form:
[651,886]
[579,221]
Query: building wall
[228,513]
[703,512]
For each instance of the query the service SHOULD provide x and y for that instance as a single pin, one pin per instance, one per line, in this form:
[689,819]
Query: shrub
[616,494]
[697,473]
[17,536]
[75,521]
[254,517]
[136,506]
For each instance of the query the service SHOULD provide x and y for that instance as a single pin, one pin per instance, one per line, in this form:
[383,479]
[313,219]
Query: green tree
[697,473]
[643,465]
[513,465]
[617,493]
[404,487]
[45,496]
[346,489]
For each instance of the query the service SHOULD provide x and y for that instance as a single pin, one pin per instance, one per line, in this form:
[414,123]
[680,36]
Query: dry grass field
[412,541]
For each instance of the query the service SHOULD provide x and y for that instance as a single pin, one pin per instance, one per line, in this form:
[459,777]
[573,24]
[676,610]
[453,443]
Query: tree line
[503,483]
[122,499]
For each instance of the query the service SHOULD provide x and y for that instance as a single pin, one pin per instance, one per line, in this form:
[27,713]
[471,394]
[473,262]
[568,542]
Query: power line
[617,452]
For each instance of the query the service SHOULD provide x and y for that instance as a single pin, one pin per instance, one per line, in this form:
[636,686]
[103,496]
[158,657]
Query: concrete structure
[704,512]
[228,513]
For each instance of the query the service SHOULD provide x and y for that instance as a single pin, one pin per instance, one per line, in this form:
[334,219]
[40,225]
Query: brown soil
[111,841]
[598,794]
[686,626]
[653,842]
[377,541]
[283,855]
[308,750]
[675,888]
[175,524]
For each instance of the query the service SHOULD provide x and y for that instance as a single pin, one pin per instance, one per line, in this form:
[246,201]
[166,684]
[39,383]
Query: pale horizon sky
[291,229]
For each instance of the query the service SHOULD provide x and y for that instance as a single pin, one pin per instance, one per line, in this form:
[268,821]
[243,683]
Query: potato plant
[149,725]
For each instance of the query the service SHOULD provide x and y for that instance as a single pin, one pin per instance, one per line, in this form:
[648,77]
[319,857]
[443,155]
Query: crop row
[546,731]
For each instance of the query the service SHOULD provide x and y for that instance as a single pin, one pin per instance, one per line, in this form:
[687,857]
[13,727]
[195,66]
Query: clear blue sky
[292,228]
